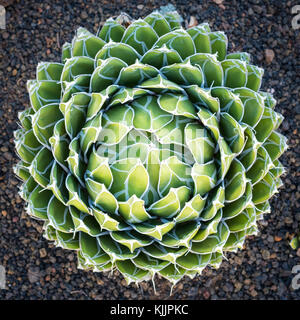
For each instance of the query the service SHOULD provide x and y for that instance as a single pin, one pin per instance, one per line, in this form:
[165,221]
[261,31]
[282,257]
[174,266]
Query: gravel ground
[35,269]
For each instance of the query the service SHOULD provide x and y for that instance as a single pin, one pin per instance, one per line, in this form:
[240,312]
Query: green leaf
[43,92]
[111,30]
[158,22]
[86,44]
[140,36]
[106,73]
[178,40]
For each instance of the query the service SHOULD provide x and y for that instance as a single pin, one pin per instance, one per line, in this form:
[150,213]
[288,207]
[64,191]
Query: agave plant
[149,149]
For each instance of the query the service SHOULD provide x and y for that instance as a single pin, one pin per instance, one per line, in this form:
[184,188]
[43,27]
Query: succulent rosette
[149,149]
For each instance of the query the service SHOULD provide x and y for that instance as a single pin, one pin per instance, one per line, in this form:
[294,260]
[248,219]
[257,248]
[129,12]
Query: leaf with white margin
[158,23]
[111,30]
[118,50]
[21,169]
[40,167]
[148,115]
[211,68]
[43,92]
[102,268]
[86,44]
[243,56]
[216,260]
[275,145]
[269,100]
[226,158]
[60,143]
[156,250]
[234,208]
[214,242]
[144,261]
[129,177]
[208,227]
[243,221]
[229,102]
[173,173]
[100,196]
[184,74]
[173,132]
[233,132]
[66,52]
[248,156]
[177,104]
[77,66]
[235,241]
[235,181]
[266,124]
[210,121]
[200,36]
[67,241]
[77,195]
[154,228]
[135,74]
[106,73]
[50,232]
[278,169]
[75,160]
[59,216]
[27,145]
[91,250]
[131,239]
[140,36]
[75,113]
[261,209]
[219,44]
[203,97]
[199,142]
[174,19]
[110,222]
[160,85]
[178,40]
[173,273]
[80,83]
[204,177]
[98,100]
[253,105]
[191,209]
[116,123]
[254,77]
[133,210]
[125,95]
[171,204]
[192,261]
[38,202]
[49,71]
[89,134]
[260,167]
[85,222]
[264,189]
[115,250]
[25,118]
[98,168]
[181,235]
[235,73]
[131,272]
[27,188]
[57,183]
[161,57]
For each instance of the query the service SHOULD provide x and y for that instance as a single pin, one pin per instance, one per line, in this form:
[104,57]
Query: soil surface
[35,269]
